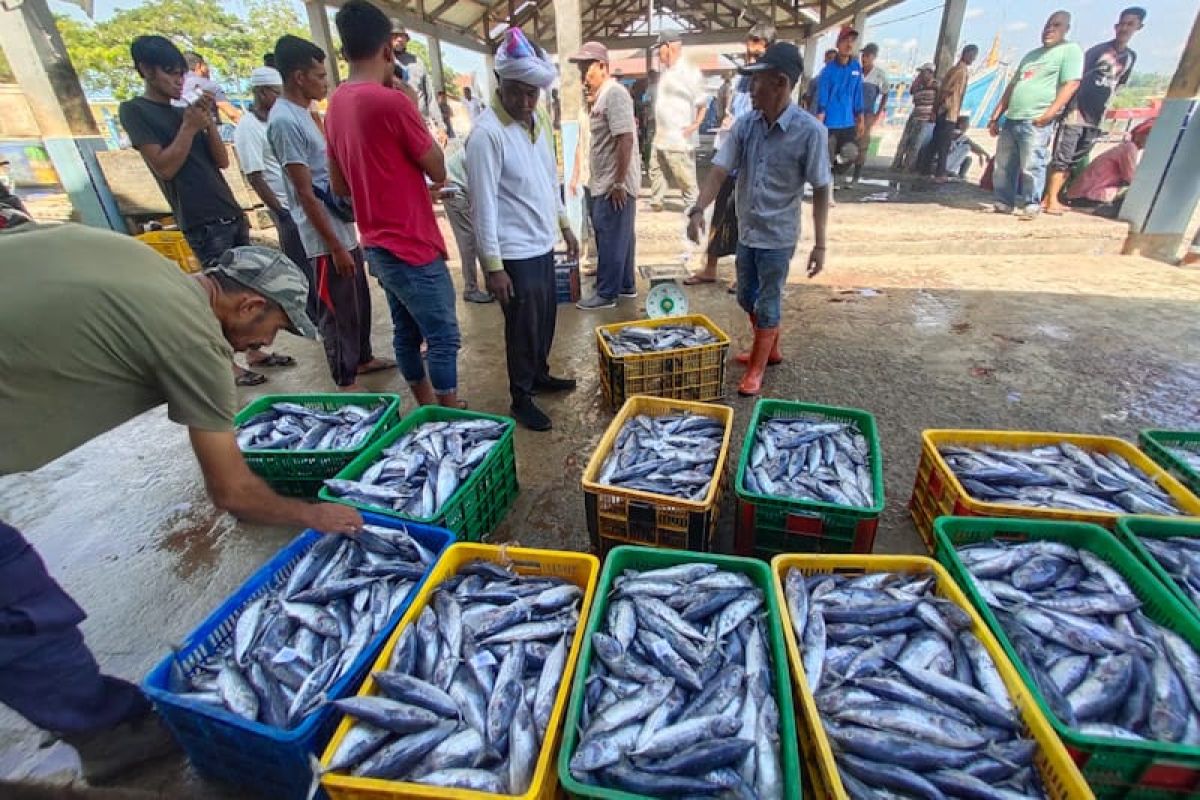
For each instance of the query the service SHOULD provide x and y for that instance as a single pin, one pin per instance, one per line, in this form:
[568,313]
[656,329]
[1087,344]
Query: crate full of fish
[902,689]
[1170,548]
[657,475]
[441,466]
[296,441]
[1178,452]
[677,357]
[467,698]
[1056,476]
[810,479]
[1112,658]
[682,686]
[245,693]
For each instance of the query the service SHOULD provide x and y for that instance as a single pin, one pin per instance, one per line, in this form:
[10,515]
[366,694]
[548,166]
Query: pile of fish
[419,473]
[290,645]
[911,701]
[1058,476]
[292,426]
[1180,557]
[673,455]
[467,696]
[1103,667]
[811,458]
[680,697]
[1190,458]
[637,339]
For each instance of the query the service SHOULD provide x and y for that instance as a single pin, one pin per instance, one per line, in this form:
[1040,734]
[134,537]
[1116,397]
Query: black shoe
[107,755]
[528,414]
[550,384]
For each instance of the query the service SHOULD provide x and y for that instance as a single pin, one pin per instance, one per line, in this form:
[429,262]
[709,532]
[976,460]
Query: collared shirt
[773,165]
[515,204]
[680,93]
[612,116]
[840,93]
[950,95]
[875,85]
[255,154]
[739,105]
[1040,75]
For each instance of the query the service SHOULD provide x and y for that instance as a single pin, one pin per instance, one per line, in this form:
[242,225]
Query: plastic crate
[645,558]
[577,568]
[1114,768]
[479,504]
[1060,777]
[566,279]
[768,525]
[174,246]
[257,758]
[689,373]
[1131,529]
[938,493]
[301,473]
[618,516]
[1155,444]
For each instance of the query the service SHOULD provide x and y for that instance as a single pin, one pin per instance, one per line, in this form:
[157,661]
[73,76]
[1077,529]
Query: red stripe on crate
[1173,778]
[799,523]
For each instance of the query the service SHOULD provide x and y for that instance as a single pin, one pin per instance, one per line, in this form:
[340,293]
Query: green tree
[419,50]
[1141,89]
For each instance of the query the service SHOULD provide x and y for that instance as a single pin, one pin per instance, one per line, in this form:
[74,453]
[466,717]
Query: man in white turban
[518,215]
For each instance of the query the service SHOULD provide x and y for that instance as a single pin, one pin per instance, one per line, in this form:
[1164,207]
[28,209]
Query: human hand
[1043,120]
[618,196]
[695,225]
[334,518]
[343,262]
[859,129]
[994,127]
[198,115]
[816,261]
[572,243]
[500,285]
[573,187]
[690,129]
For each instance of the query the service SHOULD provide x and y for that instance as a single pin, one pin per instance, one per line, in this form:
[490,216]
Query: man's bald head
[1055,30]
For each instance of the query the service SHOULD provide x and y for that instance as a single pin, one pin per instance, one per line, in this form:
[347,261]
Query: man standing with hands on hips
[776,150]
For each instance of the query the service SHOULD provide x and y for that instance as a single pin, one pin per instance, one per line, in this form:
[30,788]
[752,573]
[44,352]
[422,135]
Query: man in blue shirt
[776,150]
[839,102]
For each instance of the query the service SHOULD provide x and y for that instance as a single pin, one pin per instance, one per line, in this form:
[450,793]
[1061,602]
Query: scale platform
[666,297]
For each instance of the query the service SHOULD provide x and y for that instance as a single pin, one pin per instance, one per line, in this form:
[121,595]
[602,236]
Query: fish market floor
[1069,342]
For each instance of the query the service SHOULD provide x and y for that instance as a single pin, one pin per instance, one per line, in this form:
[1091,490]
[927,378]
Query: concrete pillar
[811,58]
[1165,191]
[945,54]
[860,25]
[318,25]
[435,62]
[39,60]
[568,36]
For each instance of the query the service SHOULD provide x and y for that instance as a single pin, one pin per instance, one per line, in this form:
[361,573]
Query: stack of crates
[172,245]
[689,373]
[566,278]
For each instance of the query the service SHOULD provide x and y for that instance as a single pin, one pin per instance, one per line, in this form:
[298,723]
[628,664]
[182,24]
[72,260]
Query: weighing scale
[666,297]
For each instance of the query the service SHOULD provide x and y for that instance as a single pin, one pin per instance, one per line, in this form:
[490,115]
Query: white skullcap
[266,76]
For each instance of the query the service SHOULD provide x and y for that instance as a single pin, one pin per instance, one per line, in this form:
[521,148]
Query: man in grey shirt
[776,149]
[416,76]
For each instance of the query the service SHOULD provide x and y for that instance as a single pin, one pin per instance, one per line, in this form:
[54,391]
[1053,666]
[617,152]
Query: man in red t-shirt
[380,153]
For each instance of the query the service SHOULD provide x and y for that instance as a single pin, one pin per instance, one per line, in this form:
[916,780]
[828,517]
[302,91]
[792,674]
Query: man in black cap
[776,150]
[416,76]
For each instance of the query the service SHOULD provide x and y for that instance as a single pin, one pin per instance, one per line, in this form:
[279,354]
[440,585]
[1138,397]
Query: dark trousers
[344,316]
[943,135]
[529,320]
[210,240]
[293,247]
[47,673]
[614,246]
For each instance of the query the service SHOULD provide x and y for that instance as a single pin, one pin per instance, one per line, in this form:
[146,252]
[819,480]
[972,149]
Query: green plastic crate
[1112,767]
[301,473]
[479,504]
[1155,443]
[1130,529]
[767,526]
[643,558]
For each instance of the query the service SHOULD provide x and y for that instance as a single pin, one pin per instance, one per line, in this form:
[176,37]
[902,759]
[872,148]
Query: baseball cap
[847,31]
[783,56]
[265,76]
[398,27]
[666,38]
[928,65]
[273,275]
[591,51]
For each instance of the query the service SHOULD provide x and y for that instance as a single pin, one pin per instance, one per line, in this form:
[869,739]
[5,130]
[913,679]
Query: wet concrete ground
[944,331]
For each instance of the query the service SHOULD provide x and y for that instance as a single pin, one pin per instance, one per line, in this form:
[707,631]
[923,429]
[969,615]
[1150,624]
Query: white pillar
[568,37]
[318,25]
[810,59]
[945,55]
[860,25]
[435,62]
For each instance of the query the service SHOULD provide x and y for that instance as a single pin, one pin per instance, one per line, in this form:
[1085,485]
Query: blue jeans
[761,274]
[614,246]
[1022,152]
[421,299]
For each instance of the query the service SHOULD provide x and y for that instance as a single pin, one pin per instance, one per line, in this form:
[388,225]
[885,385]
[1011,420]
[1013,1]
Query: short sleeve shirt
[874,85]
[1039,76]
[1104,69]
[198,194]
[680,93]
[774,163]
[255,155]
[612,116]
[295,139]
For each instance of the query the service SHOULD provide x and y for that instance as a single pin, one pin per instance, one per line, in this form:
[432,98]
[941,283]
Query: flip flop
[1054,212]
[250,378]
[275,360]
[376,365]
[696,280]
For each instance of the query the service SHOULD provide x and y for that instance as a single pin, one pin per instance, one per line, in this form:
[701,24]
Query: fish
[1060,476]
[672,454]
[423,471]
[295,426]
[481,699]
[288,650]
[635,339]
[811,457]
[678,702]
[1189,457]
[1179,556]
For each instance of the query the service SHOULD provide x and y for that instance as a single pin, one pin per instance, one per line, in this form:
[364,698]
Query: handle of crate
[643,520]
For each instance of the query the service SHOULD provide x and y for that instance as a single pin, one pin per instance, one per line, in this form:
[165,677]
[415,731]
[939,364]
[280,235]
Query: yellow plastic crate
[174,246]
[580,569]
[690,373]
[937,492]
[1059,774]
[628,516]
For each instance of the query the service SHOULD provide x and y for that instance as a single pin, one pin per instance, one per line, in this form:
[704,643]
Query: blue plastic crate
[257,758]
[566,279]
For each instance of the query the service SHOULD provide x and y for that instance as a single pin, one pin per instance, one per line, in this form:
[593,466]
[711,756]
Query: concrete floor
[930,314]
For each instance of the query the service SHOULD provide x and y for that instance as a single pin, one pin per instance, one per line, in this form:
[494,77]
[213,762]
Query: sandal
[274,360]
[697,279]
[376,365]
[248,377]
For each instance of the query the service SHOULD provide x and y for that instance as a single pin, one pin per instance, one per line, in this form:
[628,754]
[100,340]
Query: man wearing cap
[616,175]
[839,100]
[85,350]
[417,77]
[680,104]
[776,150]
[946,108]
[518,216]
[875,99]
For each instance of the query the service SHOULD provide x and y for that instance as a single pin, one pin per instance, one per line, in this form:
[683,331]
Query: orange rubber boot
[776,357]
[764,341]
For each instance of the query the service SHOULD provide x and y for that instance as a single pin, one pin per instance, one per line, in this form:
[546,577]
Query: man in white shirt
[679,107]
[474,106]
[518,214]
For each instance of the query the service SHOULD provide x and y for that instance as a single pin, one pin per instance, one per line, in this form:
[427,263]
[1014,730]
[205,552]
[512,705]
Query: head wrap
[266,76]
[518,60]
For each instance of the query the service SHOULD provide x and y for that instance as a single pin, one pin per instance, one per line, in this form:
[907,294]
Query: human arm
[885,88]
[1001,107]
[1065,92]
[259,184]
[230,110]
[820,207]
[249,144]
[619,193]
[414,137]
[819,175]
[484,159]
[856,93]
[576,169]
[977,150]
[618,111]
[165,162]
[216,147]
[337,179]
[708,193]
[318,217]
